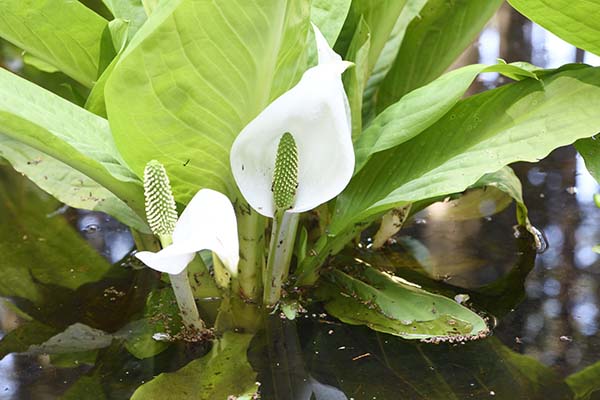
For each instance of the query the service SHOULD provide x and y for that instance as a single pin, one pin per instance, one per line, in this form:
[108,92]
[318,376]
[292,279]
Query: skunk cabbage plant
[268,127]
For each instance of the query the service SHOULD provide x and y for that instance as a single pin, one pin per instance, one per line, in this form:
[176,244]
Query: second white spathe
[207,223]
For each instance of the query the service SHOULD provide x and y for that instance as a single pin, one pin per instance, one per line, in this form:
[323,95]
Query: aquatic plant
[254,103]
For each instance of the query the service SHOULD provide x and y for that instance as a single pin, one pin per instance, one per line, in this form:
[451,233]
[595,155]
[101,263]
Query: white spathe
[207,223]
[316,113]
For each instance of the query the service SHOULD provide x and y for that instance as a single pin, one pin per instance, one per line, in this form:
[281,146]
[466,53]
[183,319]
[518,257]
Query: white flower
[207,223]
[316,113]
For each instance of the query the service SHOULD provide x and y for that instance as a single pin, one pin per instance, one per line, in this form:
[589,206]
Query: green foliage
[393,305]
[481,134]
[575,22]
[329,15]
[64,34]
[586,383]
[590,151]
[128,10]
[51,125]
[40,249]
[419,109]
[432,42]
[221,373]
[67,184]
[186,109]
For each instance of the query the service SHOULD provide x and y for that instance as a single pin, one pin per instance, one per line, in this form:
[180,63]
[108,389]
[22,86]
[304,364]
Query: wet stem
[183,294]
[283,235]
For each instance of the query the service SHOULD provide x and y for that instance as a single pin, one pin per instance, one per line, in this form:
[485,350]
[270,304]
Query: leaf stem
[283,235]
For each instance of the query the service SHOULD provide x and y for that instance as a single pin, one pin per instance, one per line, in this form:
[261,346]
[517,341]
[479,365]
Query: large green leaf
[67,184]
[575,22]
[329,16]
[392,305]
[63,33]
[66,132]
[422,107]
[432,42]
[191,87]
[523,121]
[223,372]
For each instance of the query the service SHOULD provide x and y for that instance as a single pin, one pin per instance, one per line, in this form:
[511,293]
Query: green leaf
[422,107]
[191,88]
[574,22]
[586,383]
[329,16]
[590,151]
[67,184]
[68,133]
[385,303]
[62,33]
[388,54]
[380,16]
[38,63]
[523,121]
[128,10]
[223,372]
[356,78]
[432,42]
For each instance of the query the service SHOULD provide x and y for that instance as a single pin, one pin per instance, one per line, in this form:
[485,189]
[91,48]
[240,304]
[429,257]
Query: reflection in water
[107,235]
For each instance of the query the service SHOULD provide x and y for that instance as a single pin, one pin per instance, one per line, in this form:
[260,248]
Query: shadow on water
[545,307]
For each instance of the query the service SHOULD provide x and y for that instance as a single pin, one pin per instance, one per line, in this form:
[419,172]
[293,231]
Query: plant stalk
[183,294]
[391,223]
[283,235]
[251,232]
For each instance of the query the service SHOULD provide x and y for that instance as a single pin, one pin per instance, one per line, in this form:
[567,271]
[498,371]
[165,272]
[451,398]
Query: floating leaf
[385,303]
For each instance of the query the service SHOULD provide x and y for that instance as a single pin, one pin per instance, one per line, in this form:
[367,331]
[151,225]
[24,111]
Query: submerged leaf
[223,372]
[392,305]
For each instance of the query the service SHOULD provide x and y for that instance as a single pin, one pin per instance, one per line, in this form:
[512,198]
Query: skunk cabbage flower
[311,123]
[207,223]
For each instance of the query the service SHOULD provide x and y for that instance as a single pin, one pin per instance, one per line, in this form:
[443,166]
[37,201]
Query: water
[544,307]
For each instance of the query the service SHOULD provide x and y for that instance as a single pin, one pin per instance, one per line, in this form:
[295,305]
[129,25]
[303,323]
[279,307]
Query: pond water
[545,307]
